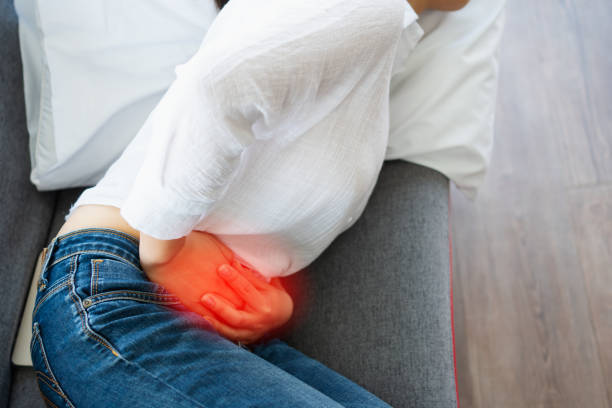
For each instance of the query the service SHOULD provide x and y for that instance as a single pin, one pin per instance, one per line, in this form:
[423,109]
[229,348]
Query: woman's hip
[105,335]
[94,315]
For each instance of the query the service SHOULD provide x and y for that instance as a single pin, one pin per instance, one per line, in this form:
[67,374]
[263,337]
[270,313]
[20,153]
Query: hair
[221,3]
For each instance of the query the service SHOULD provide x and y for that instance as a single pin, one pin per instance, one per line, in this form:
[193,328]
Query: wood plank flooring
[533,254]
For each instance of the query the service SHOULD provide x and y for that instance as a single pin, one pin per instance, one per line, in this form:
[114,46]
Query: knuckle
[266,310]
[210,302]
[239,321]
[227,273]
[259,327]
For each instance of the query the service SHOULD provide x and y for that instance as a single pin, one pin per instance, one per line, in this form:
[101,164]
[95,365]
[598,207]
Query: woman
[235,166]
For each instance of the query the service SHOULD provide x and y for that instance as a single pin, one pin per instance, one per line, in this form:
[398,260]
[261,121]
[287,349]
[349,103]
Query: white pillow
[442,104]
[93,71]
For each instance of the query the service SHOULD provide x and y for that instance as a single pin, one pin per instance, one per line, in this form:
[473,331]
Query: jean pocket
[50,389]
[113,279]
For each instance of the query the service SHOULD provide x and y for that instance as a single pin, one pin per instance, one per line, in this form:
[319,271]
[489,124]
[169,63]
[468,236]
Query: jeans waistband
[90,240]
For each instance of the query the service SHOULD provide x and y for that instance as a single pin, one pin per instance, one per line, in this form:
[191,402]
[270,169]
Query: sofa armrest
[26,212]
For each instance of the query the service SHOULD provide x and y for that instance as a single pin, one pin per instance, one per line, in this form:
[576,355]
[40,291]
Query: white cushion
[93,71]
[442,103]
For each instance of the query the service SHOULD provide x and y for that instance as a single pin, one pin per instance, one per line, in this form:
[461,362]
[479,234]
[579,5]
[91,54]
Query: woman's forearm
[155,252]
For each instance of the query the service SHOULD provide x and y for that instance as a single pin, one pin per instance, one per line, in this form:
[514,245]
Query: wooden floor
[533,254]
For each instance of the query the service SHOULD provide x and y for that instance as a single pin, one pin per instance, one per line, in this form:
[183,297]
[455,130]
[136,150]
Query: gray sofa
[378,300]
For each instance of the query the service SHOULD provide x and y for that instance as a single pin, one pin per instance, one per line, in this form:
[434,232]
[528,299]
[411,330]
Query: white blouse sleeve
[267,70]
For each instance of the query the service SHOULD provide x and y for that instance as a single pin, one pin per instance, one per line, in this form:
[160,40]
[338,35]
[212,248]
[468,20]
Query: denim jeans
[104,335]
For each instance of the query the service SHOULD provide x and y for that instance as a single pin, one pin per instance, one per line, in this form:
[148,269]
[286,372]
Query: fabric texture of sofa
[378,299]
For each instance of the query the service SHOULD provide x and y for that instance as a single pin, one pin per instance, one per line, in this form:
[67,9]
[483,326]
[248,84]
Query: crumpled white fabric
[274,133]
[94,70]
[443,99]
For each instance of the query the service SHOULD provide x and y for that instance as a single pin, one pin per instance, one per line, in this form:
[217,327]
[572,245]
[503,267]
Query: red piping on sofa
[450,246]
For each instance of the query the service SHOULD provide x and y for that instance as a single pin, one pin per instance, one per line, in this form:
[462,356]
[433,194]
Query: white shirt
[273,134]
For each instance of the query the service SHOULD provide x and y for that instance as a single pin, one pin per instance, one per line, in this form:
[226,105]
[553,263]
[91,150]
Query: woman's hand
[189,269]
[267,305]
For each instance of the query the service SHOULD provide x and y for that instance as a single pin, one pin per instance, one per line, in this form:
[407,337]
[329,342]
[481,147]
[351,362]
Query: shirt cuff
[412,30]
[160,216]
[409,38]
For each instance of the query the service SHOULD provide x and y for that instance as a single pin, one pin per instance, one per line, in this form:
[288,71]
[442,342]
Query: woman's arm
[245,306]
[188,267]
[267,71]
[155,252]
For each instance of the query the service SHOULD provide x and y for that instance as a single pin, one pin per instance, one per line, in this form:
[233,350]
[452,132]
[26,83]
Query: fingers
[244,335]
[244,288]
[233,333]
[257,279]
[201,310]
[226,311]
[253,276]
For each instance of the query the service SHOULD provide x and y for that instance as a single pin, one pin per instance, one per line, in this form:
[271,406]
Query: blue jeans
[103,335]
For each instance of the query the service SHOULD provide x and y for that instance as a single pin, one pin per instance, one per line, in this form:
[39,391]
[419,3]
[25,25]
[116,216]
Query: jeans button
[87,303]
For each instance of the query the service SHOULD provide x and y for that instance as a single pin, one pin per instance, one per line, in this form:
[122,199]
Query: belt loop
[46,255]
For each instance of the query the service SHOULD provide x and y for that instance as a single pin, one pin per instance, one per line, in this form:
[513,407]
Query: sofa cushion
[25,211]
[21,345]
[24,390]
[375,306]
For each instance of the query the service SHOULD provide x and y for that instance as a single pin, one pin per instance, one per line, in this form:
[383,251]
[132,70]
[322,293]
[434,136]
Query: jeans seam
[160,297]
[81,310]
[94,251]
[57,283]
[76,299]
[36,337]
[152,375]
[106,231]
[94,278]
[49,381]
[89,331]
[51,292]
[47,401]
[157,302]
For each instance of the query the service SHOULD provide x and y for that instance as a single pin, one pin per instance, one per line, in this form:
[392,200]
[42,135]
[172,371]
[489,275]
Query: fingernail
[224,270]
[208,300]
